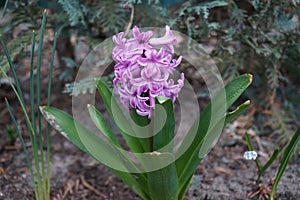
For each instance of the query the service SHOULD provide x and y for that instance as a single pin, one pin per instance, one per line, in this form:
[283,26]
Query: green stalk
[32,108]
[12,69]
[17,90]
[23,146]
[29,126]
[250,147]
[5,8]
[48,103]
[286,157]
[38,93]
[31,81]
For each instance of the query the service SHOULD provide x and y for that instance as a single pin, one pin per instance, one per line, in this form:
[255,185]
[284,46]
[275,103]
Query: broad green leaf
[188,162]
[92,144]
[163,140]
[286,157]
[163,183]
[102,125]
[83,137]
[119,118]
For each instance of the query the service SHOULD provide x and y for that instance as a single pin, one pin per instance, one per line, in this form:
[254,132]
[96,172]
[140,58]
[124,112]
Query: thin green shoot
[250,147]
[23,144]
[41,181]
[286,157]
[29,126]
[48,103]
[5,8]
[38,97]
[261,170]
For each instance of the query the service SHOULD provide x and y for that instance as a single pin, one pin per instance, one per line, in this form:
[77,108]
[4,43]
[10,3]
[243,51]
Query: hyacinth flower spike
[143,67]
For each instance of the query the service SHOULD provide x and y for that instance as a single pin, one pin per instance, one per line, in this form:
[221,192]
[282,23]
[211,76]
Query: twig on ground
[88,186]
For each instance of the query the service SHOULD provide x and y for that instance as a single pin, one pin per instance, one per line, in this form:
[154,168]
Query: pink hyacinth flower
[142,70]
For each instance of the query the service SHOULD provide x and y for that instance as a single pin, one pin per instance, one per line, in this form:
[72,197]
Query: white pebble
[250,155]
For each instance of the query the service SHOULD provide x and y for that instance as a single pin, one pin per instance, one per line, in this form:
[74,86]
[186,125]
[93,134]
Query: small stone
[250,155]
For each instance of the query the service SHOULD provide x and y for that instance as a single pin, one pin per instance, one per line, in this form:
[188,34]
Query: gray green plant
[40,169]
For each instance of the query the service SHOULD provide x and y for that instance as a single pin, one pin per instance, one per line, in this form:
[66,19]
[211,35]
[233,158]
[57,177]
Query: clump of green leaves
[283,163]
[41,163]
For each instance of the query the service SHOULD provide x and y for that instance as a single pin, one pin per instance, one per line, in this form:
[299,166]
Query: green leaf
[4,8]
[270,161]
[250,147]
[188,162]
[184,188]
[102,125]
[92,144]
[286,157]
[163,183]
[124,124]
[231,115]
[163,140]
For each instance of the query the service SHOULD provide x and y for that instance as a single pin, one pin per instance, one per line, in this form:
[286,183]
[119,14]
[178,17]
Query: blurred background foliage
[255,36]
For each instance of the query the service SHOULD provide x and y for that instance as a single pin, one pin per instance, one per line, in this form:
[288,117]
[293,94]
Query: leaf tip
[96,80]
[162,99]
[247,102]
[250,77]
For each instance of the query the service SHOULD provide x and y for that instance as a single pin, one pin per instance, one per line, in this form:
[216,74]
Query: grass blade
[286,157]
[48,104]
[250,147]
[23,146]
[32,108]
[12,70]
[4,8]
[32,134]
[38,102]
[270,161]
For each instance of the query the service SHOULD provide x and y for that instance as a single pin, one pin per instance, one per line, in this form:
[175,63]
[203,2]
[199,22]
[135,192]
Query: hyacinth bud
[142,70]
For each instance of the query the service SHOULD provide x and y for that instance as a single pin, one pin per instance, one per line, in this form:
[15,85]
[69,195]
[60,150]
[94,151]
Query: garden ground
[223,173]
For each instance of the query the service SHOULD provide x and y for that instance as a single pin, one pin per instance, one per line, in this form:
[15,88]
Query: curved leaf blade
[102,125]
[286,157]
[93,145]
[188,162]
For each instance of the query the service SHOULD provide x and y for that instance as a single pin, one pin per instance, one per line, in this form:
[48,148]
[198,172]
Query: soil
[223,173]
